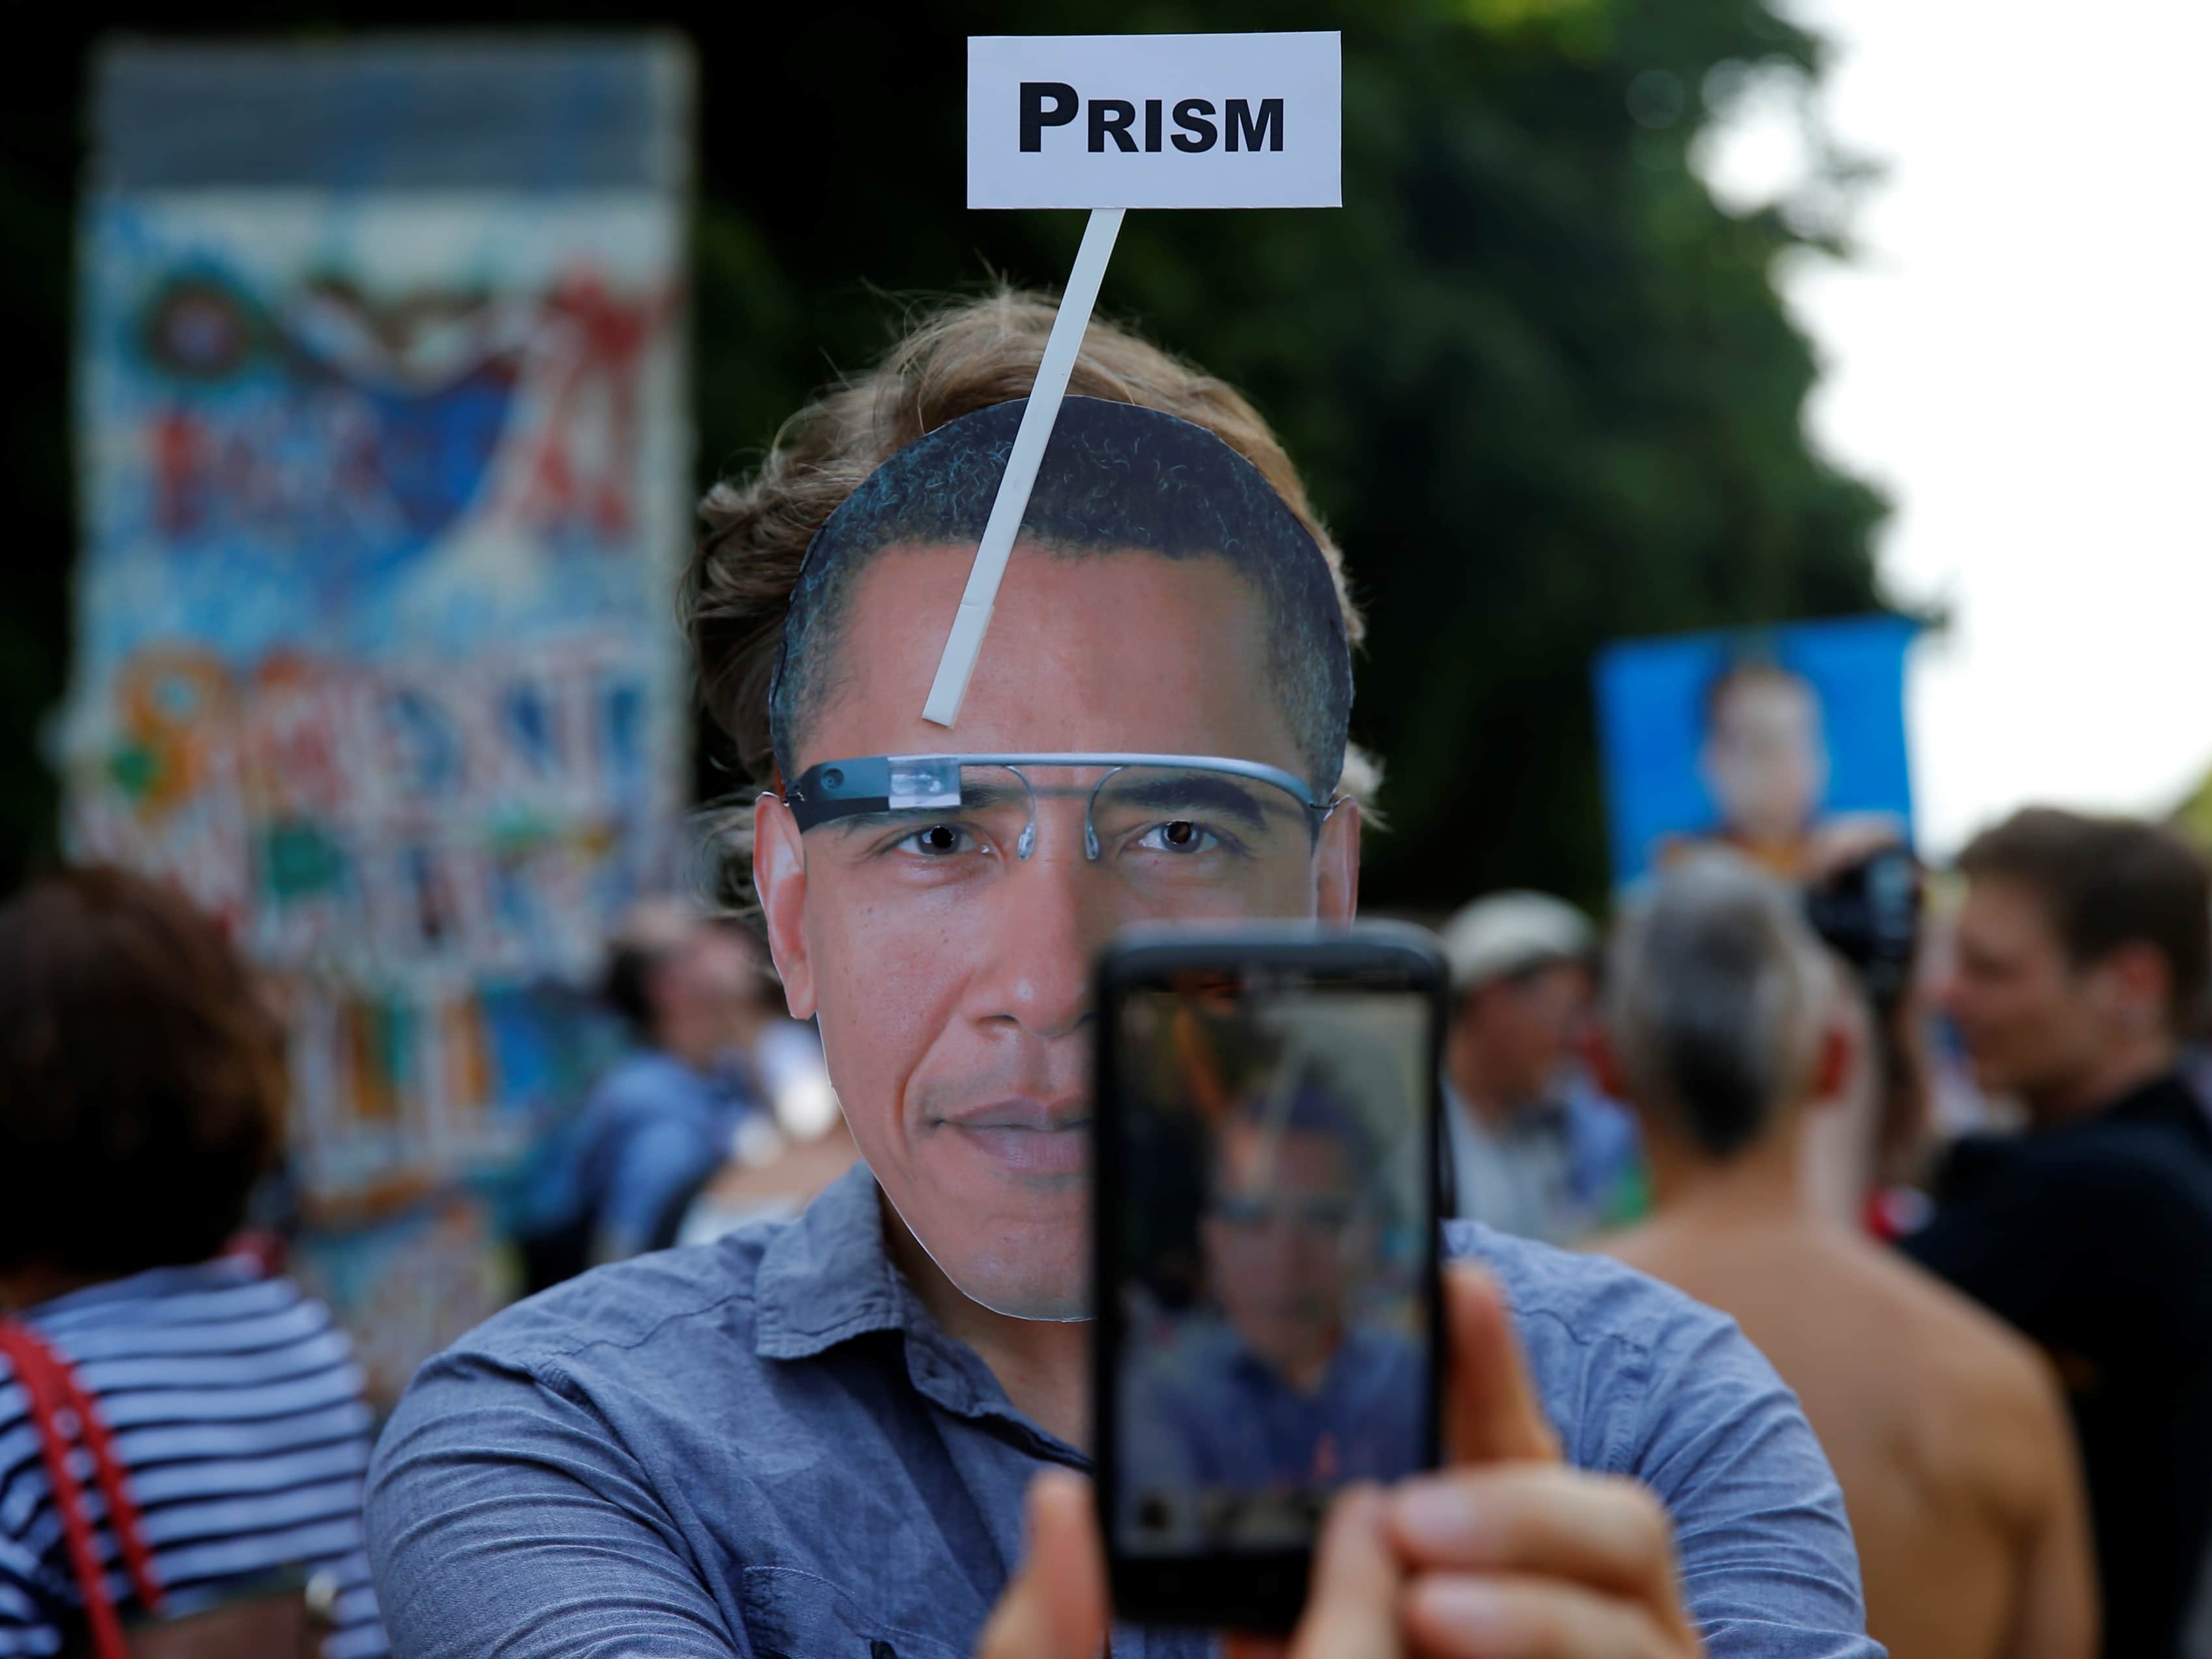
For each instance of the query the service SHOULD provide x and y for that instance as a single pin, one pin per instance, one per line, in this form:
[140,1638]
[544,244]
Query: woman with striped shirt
[140,1091]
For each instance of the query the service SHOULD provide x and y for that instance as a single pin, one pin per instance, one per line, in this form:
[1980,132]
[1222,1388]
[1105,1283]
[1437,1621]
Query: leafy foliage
[1541,384]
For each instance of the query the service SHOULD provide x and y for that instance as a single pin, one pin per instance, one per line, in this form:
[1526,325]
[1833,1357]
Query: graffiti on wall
[377,655]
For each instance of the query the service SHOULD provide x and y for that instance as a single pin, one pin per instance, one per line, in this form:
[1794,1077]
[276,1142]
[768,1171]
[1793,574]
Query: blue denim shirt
[765,1446]
[1207,1412]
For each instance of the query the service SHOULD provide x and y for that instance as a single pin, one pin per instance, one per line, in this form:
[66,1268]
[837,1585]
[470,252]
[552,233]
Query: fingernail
[1434,1514]
[1467,1607]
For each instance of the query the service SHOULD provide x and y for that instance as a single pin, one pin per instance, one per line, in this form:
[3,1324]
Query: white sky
[2021,357]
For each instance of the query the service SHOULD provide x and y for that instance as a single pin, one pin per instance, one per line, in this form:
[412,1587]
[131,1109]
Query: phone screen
[1272,1272]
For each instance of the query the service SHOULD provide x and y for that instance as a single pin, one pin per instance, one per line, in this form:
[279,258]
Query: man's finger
[1543,1519]
[1055,1608]
[1351,1611]
[1455,1616]
[1351,1605]
[1491,1413]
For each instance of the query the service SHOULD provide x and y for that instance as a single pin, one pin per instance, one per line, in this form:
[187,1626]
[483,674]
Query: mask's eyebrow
[1200,792]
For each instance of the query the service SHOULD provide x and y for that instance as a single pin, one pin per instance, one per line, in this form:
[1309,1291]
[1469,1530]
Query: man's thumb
[1055,1608]
[1491,1413]
[1351,1610]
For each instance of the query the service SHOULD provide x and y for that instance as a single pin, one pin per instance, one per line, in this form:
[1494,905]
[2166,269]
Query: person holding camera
[1730,1028]
[2080,963]
[814,1437]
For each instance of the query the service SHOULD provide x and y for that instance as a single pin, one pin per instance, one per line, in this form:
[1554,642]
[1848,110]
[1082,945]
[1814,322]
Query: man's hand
[1509,1553]
[1055,1608]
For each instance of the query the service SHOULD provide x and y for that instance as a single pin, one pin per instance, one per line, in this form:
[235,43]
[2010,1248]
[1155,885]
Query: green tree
[1542,384]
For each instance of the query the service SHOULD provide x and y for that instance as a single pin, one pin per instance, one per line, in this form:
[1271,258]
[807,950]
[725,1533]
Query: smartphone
[1265,1234]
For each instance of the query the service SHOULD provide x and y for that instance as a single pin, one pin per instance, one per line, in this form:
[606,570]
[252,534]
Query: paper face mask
[938,886]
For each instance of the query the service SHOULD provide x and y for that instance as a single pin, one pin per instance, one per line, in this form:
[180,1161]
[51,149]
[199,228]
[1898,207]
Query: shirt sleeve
[506,1517]
[1768,1567]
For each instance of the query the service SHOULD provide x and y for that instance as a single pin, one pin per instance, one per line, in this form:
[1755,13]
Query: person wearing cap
[1535,1149]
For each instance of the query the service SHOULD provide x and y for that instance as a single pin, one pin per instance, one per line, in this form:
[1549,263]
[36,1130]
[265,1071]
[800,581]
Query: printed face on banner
[952,977]
[1154,120]
[1787,745]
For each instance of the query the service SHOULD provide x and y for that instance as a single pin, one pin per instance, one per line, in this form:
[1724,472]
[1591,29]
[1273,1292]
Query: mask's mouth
[1021,1112]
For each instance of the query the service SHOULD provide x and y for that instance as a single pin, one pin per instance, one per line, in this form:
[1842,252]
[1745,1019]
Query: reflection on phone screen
[1274,1219]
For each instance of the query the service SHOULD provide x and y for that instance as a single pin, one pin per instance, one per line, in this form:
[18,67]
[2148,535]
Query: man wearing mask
[814,1438]
[1535,1150]
[2079,959]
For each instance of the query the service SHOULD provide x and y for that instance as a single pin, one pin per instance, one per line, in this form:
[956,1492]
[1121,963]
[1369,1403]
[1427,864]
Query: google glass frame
[870,784]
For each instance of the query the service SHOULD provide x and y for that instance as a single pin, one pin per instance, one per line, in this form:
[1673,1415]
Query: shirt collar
[219,1273]
[828,1277]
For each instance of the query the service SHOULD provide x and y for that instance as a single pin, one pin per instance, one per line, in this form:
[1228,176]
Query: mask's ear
[780,878]
[1336,865]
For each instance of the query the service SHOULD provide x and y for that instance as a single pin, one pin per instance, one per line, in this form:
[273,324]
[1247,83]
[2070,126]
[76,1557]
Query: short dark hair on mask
[1115,478]
[965,355]
[2104,882]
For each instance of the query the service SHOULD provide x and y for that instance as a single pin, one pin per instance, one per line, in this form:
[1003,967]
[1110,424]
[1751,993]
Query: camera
[1868,914]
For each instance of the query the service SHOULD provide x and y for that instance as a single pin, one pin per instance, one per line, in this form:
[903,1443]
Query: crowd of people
[1973,1423]
[2008,1370]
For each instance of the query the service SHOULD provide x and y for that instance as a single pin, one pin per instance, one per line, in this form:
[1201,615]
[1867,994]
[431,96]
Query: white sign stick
[1060,349]
[1115,121]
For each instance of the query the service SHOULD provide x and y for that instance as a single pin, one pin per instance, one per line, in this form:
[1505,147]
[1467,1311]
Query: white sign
[1154,120]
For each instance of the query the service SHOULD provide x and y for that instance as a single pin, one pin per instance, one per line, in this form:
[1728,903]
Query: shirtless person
[1948,1434]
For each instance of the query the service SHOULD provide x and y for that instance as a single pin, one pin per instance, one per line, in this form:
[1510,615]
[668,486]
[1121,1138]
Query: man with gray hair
[1727,1028]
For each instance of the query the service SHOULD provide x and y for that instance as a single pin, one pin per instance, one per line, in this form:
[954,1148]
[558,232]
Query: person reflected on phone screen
[1295,1372]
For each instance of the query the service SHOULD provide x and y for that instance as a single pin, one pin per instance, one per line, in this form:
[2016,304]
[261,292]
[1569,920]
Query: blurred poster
[385,468]
[1786,743]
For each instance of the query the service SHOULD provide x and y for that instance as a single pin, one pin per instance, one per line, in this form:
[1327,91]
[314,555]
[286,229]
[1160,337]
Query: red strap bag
[64,1412]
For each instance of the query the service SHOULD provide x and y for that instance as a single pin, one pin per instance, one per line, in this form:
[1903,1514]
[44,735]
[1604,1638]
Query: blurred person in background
[1535,1149]
[1865,1153]
[1946,1429]
[141,1092]
[2080,955]
[693,1095]
[774,1177]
